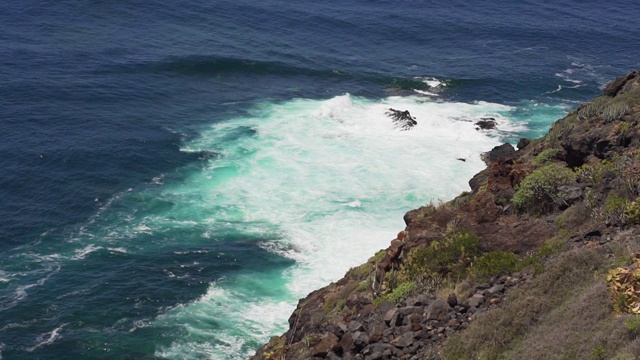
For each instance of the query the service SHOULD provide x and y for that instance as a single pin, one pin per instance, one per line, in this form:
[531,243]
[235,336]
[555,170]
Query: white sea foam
[82,253]
[423,92]
[47,338]
[210,334]
[20,292]
[433,82]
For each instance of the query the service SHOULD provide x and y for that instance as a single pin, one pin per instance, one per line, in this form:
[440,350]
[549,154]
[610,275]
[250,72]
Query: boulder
[393,318]
[502,152]
[355,326]
[360,340]
[614,87]
[437,310]
[486,123]
[327,344]
[476,300]
[523,143]
[452,300]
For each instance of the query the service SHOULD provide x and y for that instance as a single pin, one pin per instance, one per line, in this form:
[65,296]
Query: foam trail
[47,338]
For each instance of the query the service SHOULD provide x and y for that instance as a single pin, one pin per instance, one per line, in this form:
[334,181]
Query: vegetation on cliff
[538,261]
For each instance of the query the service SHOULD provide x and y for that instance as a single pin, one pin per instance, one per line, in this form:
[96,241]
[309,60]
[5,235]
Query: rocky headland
[538,261]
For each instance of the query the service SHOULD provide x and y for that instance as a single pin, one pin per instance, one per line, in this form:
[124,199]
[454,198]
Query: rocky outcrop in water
[402,119]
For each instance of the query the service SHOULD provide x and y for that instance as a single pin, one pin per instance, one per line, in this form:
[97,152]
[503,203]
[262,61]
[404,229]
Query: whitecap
[82,253]
[47,338]
[424,92]
[354,204]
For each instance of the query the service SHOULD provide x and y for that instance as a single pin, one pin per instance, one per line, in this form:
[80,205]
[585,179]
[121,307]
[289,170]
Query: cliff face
[519,261]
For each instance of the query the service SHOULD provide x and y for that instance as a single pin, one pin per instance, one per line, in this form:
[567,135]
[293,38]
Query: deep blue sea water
[176,174]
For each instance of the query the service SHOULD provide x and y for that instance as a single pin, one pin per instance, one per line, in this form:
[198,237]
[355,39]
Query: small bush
[622,284]
[547,155]
[539,190]
[495,263]
[632,212]
[594,108]
[594,174]
[452,254]
[599,352]
[621,128]
[614,111]
[615,209]
[398,294]
[633,324]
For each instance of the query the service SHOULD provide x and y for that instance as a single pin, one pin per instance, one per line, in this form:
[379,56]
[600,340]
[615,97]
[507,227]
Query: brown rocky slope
[529,264]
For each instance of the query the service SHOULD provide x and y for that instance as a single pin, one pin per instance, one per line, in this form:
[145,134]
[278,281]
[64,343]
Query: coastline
[460,261]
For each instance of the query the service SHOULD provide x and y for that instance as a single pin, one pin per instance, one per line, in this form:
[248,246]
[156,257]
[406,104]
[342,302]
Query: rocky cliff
[537,261]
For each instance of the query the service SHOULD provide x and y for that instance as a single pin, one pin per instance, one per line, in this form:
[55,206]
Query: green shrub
[621,128]
[615,209]
[547,155]
[595,173]
[451,254]
[633,324]
[632,212]
[599,352]
[495,263]
[400,293]
[614,111]
[539,190]
[594,108]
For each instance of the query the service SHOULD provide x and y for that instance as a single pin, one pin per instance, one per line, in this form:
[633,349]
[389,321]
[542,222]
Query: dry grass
[564,313]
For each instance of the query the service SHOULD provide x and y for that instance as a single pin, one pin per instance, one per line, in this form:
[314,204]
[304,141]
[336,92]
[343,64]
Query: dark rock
[413,319]
[393,318]
[337,329]
[387,334]
[376,334]
[477,180]
[452,300]
[483,286]
[402,119]
[486,123]
[346,342]
[403,341]
[523,143]
[328,344]
[418,300]
[614,87]
[496,289]
[393,252]
[355,326]
[437,310]
[360,340]
[593,235]
[408,310]
[502,152]
[476,300]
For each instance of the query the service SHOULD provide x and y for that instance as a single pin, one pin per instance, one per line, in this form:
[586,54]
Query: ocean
[176,175]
